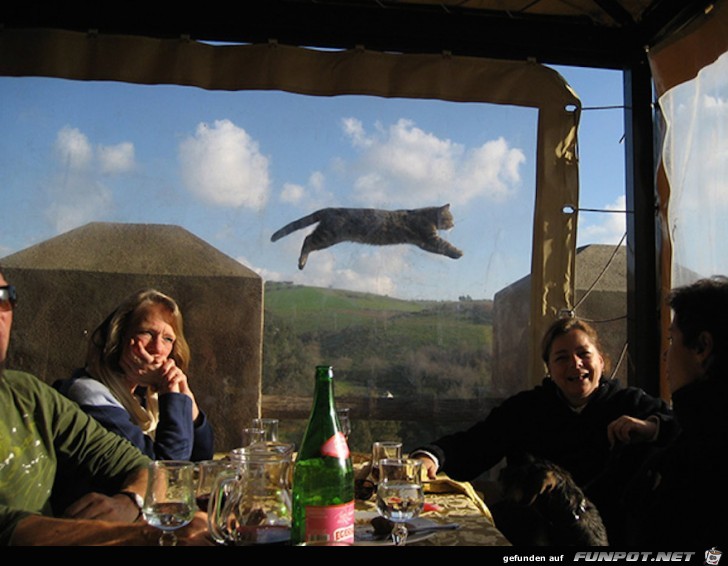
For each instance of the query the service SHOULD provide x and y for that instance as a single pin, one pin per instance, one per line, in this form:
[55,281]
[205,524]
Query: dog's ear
[550,482]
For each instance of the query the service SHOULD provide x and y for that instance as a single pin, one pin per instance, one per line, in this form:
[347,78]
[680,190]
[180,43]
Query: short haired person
[577,417]
[683,497]
[41,431]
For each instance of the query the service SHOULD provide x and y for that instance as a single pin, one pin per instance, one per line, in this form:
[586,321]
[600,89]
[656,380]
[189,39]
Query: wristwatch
[136,499]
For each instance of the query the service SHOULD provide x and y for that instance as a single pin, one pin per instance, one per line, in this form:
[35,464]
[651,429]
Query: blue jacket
[176,437]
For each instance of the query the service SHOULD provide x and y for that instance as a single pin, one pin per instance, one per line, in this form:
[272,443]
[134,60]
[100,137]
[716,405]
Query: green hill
[378,345]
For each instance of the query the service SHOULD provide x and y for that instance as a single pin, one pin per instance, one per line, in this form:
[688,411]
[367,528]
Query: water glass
[169,502]
[206,473]
[400,495]
[344,421]
[380,450]
[270,428]
[252,435]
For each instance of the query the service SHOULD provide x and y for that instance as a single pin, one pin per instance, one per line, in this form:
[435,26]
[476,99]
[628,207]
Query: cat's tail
[296,225]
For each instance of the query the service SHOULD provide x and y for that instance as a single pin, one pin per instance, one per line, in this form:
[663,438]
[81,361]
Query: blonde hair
[103,357]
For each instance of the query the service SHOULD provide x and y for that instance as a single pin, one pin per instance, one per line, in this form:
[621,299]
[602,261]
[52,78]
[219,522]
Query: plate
[364,532]
[364,536]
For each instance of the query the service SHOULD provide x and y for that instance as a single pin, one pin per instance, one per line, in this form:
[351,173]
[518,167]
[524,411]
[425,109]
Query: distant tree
[288,362]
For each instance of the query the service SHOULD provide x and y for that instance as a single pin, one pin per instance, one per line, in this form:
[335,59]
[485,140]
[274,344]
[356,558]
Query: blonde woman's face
[149,342]
[575,366]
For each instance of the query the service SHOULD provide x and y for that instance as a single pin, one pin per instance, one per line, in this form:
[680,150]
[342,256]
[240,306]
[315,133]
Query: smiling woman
[592,426]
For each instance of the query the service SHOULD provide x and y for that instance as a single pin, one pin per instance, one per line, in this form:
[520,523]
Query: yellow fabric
[444,484]
[673,62]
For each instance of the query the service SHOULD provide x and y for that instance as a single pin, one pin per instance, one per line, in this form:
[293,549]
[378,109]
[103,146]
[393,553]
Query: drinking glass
[380,450]
[270,428]
[252,435]
[206,472]
[344,421]
[169,502]
[400,495]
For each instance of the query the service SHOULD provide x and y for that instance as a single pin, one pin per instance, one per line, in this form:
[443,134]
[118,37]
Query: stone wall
[67,285]
[601,298]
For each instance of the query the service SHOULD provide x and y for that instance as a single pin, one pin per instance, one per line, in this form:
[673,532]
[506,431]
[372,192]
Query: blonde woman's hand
[174,380]
[141,366]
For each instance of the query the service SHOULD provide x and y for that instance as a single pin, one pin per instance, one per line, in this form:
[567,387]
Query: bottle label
[336,446]
[331,523]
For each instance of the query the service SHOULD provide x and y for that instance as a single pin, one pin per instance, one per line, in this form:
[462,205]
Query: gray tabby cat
[375,227]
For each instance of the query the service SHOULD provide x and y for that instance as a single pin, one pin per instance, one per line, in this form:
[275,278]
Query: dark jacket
[683,496]
[539,421]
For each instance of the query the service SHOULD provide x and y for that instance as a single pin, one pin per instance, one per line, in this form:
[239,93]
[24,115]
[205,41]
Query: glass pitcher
[251,502]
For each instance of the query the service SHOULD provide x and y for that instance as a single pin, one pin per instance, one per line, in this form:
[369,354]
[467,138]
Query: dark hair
[564,326]
[702,306]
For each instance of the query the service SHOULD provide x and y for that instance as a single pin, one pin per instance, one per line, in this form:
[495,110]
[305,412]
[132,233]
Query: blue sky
[233,167]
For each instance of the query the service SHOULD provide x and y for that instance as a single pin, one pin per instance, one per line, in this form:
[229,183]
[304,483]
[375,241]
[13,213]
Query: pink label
[333,523]
[336,446]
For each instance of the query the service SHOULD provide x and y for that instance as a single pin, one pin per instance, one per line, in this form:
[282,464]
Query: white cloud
[404,164]
[493,170]
[83,200]
[608,228]
[354,129]
[77,196]
[369,269]
[114,159]
[222,165]
[72,149]
[311,197]
[362,272]
[292,193]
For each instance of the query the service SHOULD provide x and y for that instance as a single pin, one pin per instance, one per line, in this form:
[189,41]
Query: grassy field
[379,345]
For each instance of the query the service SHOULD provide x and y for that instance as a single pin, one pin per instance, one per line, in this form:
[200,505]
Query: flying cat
[375,227]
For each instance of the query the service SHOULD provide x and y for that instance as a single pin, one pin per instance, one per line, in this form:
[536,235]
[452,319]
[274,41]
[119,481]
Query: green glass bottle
[323,476]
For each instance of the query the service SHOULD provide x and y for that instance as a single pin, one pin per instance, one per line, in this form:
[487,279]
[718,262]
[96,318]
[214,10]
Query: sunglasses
[8,297]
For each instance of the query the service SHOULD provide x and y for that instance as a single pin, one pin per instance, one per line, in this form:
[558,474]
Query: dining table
[462,516]
[454,505]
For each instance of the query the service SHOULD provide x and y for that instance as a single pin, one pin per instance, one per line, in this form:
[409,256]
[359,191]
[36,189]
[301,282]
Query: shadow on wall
[69,284]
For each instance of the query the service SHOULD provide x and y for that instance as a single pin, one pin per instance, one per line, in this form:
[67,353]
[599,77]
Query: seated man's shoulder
[22,380]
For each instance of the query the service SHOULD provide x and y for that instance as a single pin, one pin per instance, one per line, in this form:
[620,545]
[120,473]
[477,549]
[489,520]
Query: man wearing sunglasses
[8,297]
[41,431]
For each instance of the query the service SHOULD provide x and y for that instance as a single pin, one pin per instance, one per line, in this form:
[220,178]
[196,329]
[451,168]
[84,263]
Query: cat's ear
[445,206]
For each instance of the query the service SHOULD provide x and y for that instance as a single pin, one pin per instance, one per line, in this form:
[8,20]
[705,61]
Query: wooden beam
[643,313]
[387,409]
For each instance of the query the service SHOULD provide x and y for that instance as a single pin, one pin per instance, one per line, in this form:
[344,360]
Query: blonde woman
[135,380]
